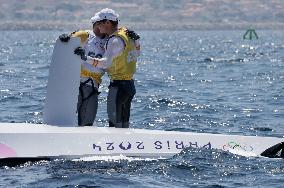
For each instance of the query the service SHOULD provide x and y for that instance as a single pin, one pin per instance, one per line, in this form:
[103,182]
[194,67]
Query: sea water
[199,81]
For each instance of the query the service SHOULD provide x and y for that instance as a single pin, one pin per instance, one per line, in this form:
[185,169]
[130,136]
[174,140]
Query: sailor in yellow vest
[92,43]
[121,51]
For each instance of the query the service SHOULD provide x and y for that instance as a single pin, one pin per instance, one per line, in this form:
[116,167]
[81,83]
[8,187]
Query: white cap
[107,14]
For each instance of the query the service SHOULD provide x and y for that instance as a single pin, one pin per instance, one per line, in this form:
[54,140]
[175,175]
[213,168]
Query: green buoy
[250,35]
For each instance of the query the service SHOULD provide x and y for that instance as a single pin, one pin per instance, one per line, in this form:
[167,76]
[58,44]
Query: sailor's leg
[126,112]
[129,92]
[87,105]
[122,98]
[112,106]
[79,104]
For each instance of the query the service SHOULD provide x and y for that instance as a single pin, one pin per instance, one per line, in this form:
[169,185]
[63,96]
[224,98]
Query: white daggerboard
[63,84]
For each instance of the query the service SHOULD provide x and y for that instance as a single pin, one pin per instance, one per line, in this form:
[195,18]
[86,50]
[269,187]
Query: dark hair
[114,23]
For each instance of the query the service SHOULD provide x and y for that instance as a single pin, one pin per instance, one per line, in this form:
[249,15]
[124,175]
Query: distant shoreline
[141,26]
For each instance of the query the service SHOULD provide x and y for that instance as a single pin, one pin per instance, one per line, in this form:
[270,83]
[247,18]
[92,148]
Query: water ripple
[198,81]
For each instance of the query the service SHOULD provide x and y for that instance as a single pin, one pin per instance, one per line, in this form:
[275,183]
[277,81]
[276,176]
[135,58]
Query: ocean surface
[199,81]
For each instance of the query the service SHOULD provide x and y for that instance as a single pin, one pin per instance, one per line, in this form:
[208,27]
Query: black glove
[81,52]
[131,34]
[92,54]
[64,37]
[74,31]
[99,56]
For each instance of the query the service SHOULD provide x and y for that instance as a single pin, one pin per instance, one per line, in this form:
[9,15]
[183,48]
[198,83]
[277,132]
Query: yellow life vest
[123,66]
[89,74]
[84,36]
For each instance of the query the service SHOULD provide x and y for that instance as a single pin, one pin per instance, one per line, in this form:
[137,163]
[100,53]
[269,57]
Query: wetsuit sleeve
[114,47]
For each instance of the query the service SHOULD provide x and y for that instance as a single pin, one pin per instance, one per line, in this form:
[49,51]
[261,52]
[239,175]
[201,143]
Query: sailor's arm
[82,34]
[88,61]
[114,47]
[136,38]
[92,68]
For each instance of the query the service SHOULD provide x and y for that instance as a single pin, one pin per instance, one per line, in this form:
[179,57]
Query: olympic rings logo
[236,146]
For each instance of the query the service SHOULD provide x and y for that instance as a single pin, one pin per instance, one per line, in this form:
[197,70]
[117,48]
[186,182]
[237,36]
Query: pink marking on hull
[6,151]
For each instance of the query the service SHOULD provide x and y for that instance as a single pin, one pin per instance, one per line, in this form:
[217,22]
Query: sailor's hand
[98,56]
[64,37]
[94,55]
[81,52]
[132,34]
[95,62]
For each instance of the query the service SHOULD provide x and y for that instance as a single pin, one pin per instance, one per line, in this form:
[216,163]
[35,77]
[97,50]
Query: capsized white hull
[23,140]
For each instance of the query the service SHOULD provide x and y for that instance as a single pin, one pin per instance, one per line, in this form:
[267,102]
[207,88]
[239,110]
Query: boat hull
[33,140]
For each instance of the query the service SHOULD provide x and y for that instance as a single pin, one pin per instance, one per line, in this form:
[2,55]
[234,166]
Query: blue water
[200,81]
